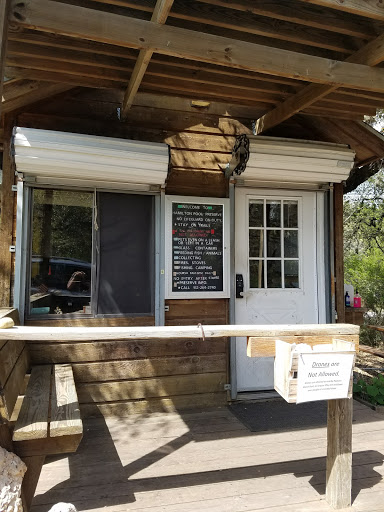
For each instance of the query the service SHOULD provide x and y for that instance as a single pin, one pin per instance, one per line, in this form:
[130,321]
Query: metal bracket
[14,188]
[227,387]
[166,309]
[12,248]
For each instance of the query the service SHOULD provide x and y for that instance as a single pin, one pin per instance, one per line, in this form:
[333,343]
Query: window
[273,247]
[91,253]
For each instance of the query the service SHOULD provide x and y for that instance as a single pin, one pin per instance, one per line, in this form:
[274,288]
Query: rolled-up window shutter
[59,158]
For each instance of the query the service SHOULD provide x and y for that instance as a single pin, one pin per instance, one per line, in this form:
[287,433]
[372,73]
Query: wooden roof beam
[4,10]
[72,20]
[306,15]
[159,16]
[370,55]
[31,93]
[368,8]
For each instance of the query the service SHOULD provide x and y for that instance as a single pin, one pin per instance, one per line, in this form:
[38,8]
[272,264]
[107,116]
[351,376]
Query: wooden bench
[39,414]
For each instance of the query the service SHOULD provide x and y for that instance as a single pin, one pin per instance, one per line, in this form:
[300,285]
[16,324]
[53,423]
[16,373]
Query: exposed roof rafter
[370,55]
[159,16]
[307,15]
[369,8]
[18,93]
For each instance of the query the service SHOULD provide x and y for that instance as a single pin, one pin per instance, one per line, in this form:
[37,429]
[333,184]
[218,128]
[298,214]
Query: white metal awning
[293,162]
[59,158]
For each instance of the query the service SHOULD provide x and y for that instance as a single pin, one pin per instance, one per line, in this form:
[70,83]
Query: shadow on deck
[206,459]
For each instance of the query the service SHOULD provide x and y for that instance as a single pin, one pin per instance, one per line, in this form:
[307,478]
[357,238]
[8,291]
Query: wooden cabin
[175,163]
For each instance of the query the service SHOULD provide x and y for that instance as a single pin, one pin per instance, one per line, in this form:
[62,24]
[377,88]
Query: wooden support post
[6,221]
[339,453]
[339,251]
[4,9]
[6,437]
[34,465]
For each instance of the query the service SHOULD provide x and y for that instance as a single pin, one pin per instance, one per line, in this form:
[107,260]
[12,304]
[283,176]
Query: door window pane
[273,214]
[256,243]
[256,214]
[290,214]
[256,274]
[274,243]
[291,274]
[274,274]
[291,248]
[61,252]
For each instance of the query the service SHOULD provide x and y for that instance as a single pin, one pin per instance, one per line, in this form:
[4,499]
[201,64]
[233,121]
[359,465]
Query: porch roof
[267,62]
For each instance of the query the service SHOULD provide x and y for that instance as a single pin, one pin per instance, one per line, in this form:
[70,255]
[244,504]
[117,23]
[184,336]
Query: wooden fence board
[151,388]
[144,368]
[115,350]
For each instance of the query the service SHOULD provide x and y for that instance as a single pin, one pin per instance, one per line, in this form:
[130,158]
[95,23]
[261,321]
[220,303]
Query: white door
[276,255]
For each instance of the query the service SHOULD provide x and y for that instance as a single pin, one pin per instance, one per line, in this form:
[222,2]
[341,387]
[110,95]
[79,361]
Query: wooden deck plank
[32,422]
[65,412]
[207,460]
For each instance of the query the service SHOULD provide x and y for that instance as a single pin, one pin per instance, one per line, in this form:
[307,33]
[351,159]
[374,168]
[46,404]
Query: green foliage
[364,250]
[62,224]
[365,271]
[372,392]
[364,217]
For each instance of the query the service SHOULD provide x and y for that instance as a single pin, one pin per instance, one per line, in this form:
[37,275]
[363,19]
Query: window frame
[94,279]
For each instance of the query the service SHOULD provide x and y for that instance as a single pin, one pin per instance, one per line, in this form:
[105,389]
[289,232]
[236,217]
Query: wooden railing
[65,334]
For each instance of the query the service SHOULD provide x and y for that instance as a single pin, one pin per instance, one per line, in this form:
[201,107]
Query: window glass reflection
[256,274]
[274,274]
[291,245]
[61,252]
[290,214]
[256,243]
[256,214]
[274,243]
[291,274]
[273,214]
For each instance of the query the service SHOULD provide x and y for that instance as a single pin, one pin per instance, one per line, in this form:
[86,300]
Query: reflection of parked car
[56,288]
[58,273]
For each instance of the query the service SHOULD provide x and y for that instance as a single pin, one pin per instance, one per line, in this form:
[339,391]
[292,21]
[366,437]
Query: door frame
[321,262]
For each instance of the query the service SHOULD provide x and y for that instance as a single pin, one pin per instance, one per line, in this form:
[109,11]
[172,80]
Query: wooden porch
[208,460]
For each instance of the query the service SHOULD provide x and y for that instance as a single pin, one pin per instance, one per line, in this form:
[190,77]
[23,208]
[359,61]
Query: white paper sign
[323,376]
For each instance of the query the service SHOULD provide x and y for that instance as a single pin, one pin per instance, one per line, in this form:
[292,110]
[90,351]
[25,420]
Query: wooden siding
[93,322]
[123,377]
